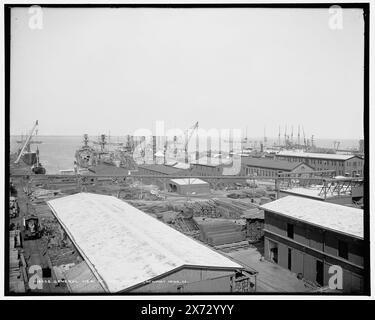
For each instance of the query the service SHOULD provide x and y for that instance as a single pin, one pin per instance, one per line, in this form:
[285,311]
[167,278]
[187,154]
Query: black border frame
[365,6]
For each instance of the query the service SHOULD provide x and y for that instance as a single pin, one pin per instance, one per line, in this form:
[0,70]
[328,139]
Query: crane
[188,137]
[304,137]
[292,135]
[298,139]
[336,145]
[27,142]
[285,137]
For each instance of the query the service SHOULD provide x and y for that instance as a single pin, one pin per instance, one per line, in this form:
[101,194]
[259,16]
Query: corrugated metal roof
[123,245]
[161,168]
[188,181]
[212,162]
[327,215]
[271,163]
[328,156]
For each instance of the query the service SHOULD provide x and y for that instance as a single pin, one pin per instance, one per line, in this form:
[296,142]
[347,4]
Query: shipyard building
[343,164]
[189,186]
[129,251]
[209,166]
[271,168]
[308,236]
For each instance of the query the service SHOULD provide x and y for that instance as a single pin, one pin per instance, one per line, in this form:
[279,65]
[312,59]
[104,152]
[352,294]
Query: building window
[343,249]
[290,230]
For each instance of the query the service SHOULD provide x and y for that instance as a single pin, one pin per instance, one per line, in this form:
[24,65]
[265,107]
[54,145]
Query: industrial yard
[168,149]
[225,218]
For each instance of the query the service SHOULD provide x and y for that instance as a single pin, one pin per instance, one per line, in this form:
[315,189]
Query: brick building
[344,164]
[271,167]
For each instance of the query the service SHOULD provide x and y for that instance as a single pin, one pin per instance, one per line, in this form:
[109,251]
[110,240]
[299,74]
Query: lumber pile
[232,209]
[233,246]
[187,226]
[167,216]
[212,208]
[220,232]
[247,193]
[150,206]
[39,194]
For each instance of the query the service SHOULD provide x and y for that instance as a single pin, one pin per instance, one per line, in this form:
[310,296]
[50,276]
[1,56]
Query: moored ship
[89,157]
[25,160]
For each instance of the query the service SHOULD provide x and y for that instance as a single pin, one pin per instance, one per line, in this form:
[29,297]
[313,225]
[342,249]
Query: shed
[129,251]
[189,186]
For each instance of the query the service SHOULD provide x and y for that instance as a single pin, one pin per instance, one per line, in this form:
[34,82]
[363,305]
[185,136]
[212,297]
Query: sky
[118,70]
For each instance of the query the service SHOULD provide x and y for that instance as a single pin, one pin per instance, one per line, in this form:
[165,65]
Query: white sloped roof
[123,245]
[212,162]
[188,181]
[331,216]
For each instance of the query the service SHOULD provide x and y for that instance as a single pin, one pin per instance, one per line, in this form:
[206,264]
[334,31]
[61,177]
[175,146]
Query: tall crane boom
[27,142]
[188,137]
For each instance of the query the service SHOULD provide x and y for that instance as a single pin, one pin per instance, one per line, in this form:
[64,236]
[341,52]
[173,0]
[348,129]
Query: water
[57,152]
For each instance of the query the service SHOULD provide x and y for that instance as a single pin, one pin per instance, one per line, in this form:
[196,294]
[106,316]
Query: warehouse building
[271,168]
[209,166]
[159,170]
[308,236]
[189,186]
[129,251]
[343,164]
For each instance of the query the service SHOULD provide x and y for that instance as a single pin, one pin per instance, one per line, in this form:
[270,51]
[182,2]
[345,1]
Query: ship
[25,160]
[99,154]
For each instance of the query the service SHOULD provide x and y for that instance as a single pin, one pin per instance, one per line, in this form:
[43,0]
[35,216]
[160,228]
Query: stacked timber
[247,193]
[254,224]
[187,226]
[41,195]
[232,209]
[233,246]
[220,232]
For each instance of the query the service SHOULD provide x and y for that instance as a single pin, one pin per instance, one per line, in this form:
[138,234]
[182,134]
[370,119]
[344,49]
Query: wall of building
[195,188]
[202,170]
[272,172]
[351,166]
[191,280]
[354,166]
[301,169]
[161,183]
[311,244]
[266,172]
